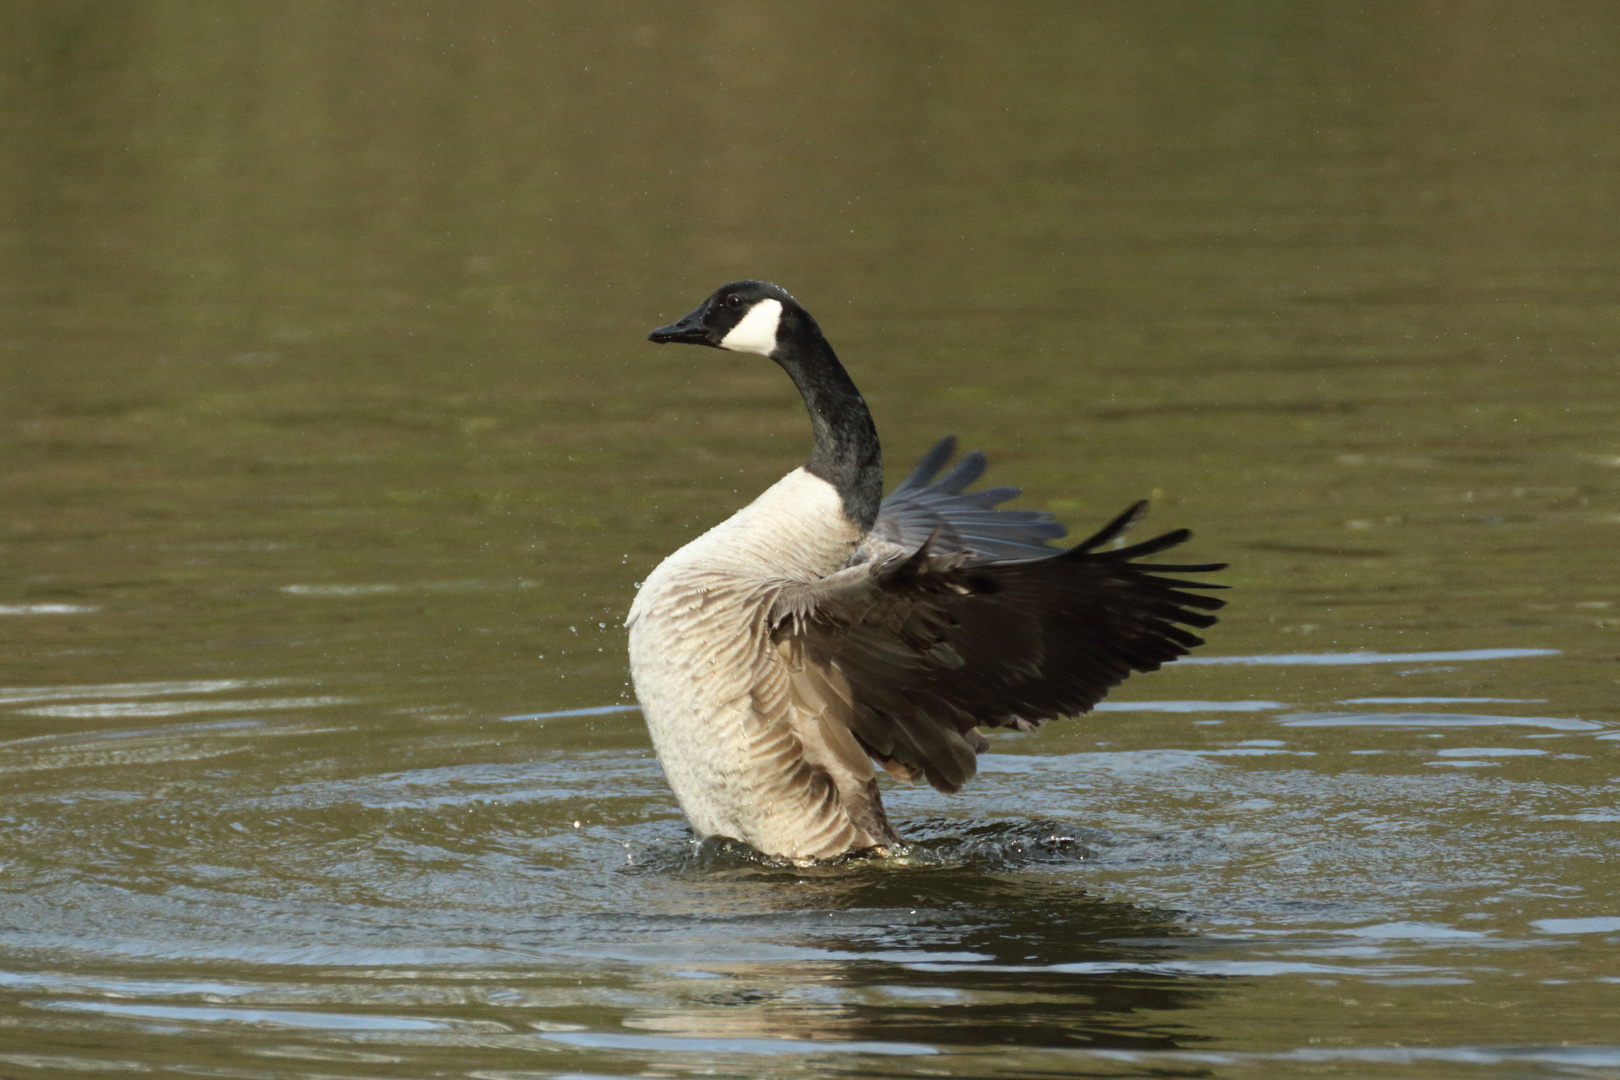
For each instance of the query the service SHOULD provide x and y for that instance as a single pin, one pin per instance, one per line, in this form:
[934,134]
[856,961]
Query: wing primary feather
[991,497]
[1177,583]
[1186,568]
[1131,516]
[969,469]
[931,463]
[1146,547]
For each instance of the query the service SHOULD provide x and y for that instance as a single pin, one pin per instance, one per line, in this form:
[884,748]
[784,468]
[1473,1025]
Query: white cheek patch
[757,331]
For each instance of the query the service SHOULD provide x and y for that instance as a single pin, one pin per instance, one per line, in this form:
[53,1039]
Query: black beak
[688,330]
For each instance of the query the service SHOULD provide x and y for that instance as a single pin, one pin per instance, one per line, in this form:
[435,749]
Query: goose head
[758,317]
[744,316]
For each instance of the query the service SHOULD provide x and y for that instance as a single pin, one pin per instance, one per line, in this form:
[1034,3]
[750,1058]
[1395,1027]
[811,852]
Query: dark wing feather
[937,642]
[922,507]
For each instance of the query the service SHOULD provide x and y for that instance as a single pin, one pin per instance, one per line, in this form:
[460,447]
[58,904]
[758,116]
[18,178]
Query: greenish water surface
[331,453]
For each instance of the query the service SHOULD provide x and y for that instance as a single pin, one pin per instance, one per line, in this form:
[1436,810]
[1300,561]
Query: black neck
[846,454]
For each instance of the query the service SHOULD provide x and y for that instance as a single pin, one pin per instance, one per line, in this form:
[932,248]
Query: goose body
[822,632]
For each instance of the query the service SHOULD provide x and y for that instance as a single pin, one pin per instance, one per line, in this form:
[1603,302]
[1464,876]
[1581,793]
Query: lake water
[331,453]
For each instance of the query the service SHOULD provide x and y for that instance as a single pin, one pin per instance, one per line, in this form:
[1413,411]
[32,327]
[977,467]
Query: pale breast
[708,675]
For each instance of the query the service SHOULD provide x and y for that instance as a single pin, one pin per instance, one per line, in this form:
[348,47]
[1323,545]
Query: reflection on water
[1336,659]
[946,947]
[331,455]
[1423,720]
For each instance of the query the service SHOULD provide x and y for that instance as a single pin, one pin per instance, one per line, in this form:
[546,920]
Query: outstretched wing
[921,508]
[938,641]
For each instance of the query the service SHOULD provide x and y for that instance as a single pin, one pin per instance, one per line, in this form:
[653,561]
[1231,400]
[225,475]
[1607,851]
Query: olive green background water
[331,453]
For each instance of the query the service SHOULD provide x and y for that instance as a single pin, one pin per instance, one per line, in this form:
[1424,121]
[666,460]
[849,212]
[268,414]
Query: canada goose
[822,630]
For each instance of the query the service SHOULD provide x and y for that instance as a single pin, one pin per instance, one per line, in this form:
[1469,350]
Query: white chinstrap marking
[757,331]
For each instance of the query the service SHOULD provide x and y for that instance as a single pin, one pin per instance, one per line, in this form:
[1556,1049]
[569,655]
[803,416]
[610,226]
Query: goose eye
[733,300]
